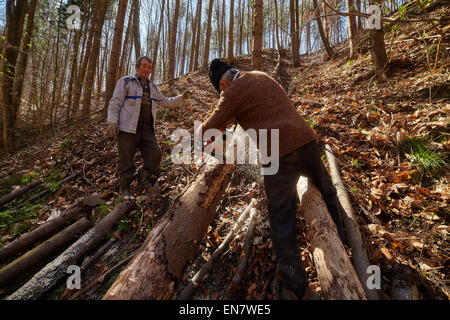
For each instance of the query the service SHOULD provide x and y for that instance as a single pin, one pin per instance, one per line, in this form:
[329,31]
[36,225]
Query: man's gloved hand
[113,130]
[186,95]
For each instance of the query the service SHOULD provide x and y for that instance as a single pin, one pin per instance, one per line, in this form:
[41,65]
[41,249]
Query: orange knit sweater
[257,101]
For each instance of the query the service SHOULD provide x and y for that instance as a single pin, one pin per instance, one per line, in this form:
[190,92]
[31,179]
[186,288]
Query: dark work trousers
[146,142]
[282,197]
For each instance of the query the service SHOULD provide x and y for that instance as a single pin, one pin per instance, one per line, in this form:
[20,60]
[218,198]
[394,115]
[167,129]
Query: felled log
[187,291]
[403,286]
[46,229]
[159,265]
[337,277]
[42,252]
[69,178]
[17,193]
[48,276]
[232,288]
[359,253]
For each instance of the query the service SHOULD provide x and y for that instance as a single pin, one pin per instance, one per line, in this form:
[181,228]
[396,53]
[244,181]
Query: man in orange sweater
[257,101]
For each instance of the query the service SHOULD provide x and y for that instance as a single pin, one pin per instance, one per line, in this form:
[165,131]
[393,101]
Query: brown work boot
[125,188]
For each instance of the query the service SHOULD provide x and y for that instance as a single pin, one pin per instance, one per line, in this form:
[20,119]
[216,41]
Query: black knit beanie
[216,70]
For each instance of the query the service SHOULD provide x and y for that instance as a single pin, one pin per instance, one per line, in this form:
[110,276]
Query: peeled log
[19,192]
[158,266]
[359,254]
[337,277]
[48,276]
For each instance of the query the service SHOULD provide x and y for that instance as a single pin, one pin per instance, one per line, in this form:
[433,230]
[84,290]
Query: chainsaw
[217,147]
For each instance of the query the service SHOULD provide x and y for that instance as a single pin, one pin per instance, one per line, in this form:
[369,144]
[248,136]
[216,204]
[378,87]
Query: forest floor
[392,143]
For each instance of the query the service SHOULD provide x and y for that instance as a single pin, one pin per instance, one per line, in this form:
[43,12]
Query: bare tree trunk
[257,35]
[222,29]
[239,32]
[208,34]
[337,277]
[22,63]
[326,25]
[136,30]
[199,27]
[359,254]
[194,37]
[12,35]
[231,33]
[308,33]
[112,74]
[325,41]
[358,8]
[55,78]
[172,42]
[89,84]
[43,252]
[351,27]
[377,47]
[294,34]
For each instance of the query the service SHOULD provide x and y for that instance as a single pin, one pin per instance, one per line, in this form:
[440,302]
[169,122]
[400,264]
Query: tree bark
[46,229]
[42,252]
[136,30]
[337,277]
[156,269]
[377,48]
[187,291]
[112,74]
[12,33]
[183,54]
[197,41]
[194,34]
[156,45]
[277,36]
[89,84]
[351,27]
[22,62]
[325,41]
[126,44]
[257,35]
[47,277]
[294,34]
[359,254]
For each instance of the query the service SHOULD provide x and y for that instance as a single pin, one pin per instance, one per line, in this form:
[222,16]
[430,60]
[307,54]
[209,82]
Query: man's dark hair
[139,60]
[216,69]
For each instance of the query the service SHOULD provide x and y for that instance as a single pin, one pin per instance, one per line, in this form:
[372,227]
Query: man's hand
[186,95]
[113,130]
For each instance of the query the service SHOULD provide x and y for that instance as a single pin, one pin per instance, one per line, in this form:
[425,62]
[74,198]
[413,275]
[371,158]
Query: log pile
[337,277]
